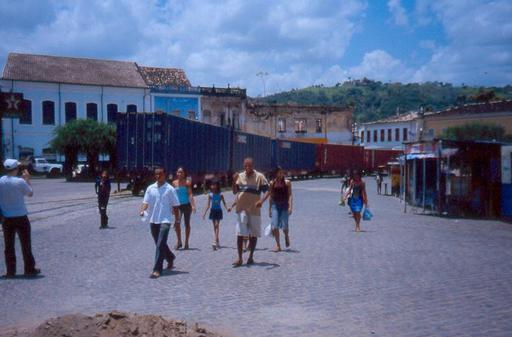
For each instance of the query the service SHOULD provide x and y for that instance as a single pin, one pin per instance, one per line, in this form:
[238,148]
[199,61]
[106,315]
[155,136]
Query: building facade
[58,90]
[497,113]
[311,123]
[389,133]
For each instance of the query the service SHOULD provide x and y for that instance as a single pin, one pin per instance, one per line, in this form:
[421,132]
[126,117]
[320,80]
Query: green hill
[373,100]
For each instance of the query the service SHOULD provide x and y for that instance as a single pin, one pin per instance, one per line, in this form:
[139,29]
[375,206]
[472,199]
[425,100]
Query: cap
[11,164]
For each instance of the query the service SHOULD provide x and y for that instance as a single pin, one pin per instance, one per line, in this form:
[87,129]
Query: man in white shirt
[161,202]
[12,202]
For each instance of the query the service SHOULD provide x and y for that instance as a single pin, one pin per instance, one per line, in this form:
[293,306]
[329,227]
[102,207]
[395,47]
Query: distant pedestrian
[12,202]
[183,187]
[378,179]
[358,198]
[345,182]
[248,187]
[102,188]
[161,202]
[215,198]
[280,208]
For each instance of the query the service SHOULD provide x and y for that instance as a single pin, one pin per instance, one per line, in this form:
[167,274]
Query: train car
[202,149]
[146,140]
[373,158]
[296,158]
[245,145]
[337,159]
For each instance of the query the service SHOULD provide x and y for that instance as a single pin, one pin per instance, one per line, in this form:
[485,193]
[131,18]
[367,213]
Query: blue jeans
[279,218]
[160,232]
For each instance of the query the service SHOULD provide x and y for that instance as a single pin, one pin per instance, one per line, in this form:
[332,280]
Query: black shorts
[185,212]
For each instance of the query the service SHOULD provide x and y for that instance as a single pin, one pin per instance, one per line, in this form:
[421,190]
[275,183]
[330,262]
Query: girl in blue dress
[214,200]
[357,198]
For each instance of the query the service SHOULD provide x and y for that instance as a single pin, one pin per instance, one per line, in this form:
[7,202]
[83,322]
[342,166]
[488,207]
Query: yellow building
[498,113]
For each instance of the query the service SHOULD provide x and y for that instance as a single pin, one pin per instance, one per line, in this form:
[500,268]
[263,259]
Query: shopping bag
[367,215]
[268,230]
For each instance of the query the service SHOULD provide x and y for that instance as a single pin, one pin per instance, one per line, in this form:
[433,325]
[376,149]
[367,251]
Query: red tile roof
[154,76]
[72,70]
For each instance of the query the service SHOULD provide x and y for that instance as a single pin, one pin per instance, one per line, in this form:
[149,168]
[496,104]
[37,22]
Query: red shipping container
[337,159]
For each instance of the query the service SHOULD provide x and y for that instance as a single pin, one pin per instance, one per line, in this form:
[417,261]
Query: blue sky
[295,43]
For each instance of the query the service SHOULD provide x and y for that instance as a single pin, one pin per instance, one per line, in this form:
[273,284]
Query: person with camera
[12,202]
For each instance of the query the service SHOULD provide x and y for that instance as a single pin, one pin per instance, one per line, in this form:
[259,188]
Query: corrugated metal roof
[71,70]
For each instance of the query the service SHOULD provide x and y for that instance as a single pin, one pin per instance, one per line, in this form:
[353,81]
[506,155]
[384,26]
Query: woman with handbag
[358,198]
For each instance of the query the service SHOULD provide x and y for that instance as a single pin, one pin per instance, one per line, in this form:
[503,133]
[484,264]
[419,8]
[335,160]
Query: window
[131,108]
[48,108]
[318,126]
[300,125]
[70,111]
[375,139]
[382,135]
[111,113]
[362,137]
[405,135]
[26,118]
[207,116]
[397,135]
[390,135]
[368,136]
[222,119]
[281,125]
[92,111]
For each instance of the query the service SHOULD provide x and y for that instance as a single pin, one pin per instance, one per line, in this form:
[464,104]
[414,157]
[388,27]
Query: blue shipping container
[121,143]
[249,145]
[200,148]
[294,156]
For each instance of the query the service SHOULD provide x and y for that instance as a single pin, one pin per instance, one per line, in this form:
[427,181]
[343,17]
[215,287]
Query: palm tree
[84,136]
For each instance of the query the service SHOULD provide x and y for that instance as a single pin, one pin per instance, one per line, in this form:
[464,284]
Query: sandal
[178,246]
[237,263]
[154,274]
[250,261]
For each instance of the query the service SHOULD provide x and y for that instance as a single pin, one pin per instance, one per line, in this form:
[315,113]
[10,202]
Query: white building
[60,89]
[388,133]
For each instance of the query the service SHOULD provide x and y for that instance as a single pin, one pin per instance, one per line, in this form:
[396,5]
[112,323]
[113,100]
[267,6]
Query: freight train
[207,152]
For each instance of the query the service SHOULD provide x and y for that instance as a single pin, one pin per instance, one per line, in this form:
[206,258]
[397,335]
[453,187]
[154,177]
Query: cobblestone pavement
[406,275]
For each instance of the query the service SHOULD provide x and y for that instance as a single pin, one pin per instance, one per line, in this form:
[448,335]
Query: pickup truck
[42,166]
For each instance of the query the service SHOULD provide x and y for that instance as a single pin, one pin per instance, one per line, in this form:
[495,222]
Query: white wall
[393,144]
[37,135]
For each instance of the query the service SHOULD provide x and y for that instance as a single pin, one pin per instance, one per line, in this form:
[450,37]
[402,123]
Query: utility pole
[263,74]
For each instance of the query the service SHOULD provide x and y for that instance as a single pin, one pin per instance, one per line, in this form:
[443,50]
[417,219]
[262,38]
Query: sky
[271,46]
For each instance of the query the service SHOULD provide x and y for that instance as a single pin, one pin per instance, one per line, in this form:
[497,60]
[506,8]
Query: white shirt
[160,200]
[12,196]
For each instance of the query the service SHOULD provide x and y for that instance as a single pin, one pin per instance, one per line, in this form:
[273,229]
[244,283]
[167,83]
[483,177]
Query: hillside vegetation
[373,100]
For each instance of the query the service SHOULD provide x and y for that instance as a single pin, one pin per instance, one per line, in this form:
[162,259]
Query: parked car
[42,166]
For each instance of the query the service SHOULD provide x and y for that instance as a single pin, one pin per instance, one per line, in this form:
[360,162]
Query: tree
[84,136]
[476,131]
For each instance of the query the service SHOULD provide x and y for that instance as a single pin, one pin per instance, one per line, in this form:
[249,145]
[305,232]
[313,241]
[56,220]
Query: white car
[41,165]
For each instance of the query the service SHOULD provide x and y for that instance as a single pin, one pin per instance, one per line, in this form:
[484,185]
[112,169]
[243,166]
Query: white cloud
[398,13]
[380,65]
[479,48]
[226,41]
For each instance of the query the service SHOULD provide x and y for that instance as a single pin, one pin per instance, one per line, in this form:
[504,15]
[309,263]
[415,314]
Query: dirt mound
[115,324]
